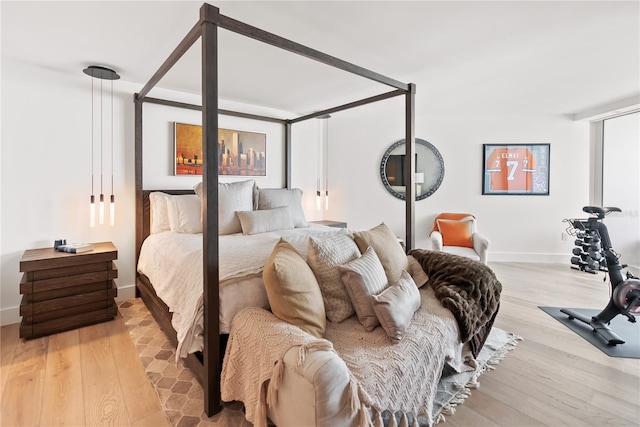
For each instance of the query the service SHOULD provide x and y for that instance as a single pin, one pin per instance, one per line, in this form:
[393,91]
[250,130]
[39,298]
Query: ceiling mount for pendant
[99,72]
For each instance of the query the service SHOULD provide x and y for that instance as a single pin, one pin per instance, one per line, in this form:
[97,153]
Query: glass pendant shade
[101,210]
[92,211]
[112,211]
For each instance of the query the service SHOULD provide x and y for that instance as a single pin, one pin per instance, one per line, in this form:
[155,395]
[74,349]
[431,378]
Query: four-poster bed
[207,365]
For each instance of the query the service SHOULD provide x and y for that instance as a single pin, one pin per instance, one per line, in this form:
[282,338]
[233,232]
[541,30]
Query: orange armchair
[457,233]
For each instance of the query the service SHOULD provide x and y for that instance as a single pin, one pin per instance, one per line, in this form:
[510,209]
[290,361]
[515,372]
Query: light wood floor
[92,376]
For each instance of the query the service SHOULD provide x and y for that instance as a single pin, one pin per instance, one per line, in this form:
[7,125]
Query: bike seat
[600,212]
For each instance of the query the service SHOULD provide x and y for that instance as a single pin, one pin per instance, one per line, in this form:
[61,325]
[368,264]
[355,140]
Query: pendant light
[102,73]
[322,179]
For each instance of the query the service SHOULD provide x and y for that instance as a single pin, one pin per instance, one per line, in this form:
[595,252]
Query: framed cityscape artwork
[516,169]
[240,153]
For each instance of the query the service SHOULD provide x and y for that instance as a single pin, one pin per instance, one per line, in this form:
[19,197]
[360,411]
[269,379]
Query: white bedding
[173,264]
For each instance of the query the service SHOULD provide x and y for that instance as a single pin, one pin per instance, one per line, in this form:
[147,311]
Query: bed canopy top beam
[220,111]
[349,105]
[299,49]
[175,56]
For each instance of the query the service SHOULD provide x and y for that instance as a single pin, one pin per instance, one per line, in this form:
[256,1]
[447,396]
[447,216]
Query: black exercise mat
[629,332]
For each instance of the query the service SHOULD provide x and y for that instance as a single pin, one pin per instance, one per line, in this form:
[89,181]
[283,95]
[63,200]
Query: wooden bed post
[209,16]
[137,124]
[410,167]
[287,153]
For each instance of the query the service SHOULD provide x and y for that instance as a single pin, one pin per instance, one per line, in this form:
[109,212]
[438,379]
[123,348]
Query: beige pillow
[269,198]
[254,222]
[232,197]
[417,273]
[362,278]
[324,255]
[395,306]
[292,290]
[385,243]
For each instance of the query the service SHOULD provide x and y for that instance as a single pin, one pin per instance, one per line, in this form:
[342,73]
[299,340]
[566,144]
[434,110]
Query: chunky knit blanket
[383,375]
[468,288]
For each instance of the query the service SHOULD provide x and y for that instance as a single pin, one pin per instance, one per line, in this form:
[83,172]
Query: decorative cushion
[417,273]
[456,232]
[269,198]
[395,306]
[362,278]
[254,222]
[185,213]
[385,243]
[232,197]
[324,255]
[292,290]
[159,212]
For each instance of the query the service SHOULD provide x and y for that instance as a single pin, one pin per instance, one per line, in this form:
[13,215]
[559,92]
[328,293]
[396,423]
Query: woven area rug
[181,395]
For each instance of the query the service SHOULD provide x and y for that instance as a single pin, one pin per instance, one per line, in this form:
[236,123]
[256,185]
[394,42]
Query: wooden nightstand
[336,224]
[64,291]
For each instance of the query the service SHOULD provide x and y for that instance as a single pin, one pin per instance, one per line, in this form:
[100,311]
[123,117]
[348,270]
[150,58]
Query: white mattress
[173,264]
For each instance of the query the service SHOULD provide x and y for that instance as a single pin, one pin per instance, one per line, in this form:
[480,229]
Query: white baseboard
[10,315]
[529,257]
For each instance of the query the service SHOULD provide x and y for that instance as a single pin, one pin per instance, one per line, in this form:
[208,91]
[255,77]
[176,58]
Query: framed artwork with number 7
[516,169]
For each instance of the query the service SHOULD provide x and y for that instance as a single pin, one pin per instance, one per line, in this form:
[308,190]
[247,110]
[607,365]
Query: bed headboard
[144,223]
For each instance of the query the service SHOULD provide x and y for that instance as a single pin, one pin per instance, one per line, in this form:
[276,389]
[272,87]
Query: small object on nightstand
[75,248]
[327,223]
[63,291]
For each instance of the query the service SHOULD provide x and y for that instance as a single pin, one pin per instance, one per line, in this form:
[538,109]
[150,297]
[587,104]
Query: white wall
[521,228]
[45,173]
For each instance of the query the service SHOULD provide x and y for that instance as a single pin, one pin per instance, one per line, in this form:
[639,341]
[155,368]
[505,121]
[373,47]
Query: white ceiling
[510,57]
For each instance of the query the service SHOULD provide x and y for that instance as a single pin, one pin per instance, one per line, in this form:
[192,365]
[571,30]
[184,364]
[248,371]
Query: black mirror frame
[433,187]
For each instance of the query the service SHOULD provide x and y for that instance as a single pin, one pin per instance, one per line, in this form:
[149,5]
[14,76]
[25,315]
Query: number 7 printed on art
[516,169]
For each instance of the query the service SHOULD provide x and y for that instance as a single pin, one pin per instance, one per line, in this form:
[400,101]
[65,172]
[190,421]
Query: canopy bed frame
[207,367]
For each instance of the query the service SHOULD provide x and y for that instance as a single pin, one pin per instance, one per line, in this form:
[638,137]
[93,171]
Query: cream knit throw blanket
[384,376]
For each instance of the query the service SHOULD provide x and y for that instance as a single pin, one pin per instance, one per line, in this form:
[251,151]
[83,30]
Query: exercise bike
[625,292]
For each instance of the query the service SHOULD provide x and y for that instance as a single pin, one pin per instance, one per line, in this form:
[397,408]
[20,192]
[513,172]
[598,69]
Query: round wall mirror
[429,169]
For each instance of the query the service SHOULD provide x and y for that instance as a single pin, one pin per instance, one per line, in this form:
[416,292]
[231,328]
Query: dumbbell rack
[588,254]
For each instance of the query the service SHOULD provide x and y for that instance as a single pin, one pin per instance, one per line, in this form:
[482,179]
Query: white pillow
[185,214]
[254,222]
[395,306]
[364,277]
[269,198]
[232,197]
[159,212]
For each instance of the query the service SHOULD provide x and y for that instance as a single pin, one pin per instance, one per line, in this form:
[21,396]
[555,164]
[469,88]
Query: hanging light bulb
[92,203]
[112,201]
[101,206]
[92,211]
[112,211]
[101,210]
